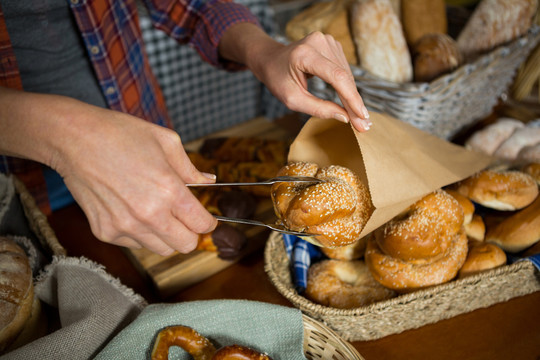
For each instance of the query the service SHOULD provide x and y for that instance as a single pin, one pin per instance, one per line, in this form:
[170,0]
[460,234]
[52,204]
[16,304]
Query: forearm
[248,44]
[29,124]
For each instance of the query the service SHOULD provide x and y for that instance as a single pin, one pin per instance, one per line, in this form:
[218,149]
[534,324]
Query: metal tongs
[275,227]
[278,179]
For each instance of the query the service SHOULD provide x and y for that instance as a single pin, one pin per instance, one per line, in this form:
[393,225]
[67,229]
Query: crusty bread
[16,291]
[380,42]
[328,17]
[434,55]
[495,22]
[421,17]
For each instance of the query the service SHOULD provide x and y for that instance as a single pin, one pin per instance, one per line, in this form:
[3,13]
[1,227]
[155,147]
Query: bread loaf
[495,22]
[434,55]
[380,42]
[16,291]
[421,17]
[328,17]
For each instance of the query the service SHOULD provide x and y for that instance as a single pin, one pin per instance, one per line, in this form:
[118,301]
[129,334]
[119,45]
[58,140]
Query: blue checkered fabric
[301,255]
[534,259]
[202,99]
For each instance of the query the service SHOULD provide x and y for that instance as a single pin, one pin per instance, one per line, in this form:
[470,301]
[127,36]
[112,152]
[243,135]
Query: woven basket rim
[292,295]
[415,89]
[329,339]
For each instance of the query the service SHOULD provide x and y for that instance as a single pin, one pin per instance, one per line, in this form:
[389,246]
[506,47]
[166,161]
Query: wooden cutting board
[170,274]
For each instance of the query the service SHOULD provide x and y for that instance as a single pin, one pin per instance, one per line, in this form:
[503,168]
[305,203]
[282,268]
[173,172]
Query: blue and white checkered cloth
[301,254]
[535,259]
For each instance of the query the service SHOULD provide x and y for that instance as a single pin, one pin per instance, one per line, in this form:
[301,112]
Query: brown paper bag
[398,162]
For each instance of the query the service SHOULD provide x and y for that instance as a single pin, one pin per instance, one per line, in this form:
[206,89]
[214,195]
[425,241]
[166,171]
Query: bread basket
[320,342]
[450,103]
[407,311]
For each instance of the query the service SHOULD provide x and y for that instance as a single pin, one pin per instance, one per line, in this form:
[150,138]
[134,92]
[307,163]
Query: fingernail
[363,123]
[365,112]
[341,117]
[209,176]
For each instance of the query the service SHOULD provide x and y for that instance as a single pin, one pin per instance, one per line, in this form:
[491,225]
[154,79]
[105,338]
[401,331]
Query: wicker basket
[320,342]
[450,103]
[405,311]
[38,221]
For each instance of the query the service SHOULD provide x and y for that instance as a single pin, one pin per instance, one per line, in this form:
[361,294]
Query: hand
[129,178]
[285,70]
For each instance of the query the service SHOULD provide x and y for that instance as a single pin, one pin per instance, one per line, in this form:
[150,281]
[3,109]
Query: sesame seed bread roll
[500,190]
[337,209]
[425,246]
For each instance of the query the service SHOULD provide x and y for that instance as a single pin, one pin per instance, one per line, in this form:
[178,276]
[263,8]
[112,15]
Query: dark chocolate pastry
[237,204]
[228,240]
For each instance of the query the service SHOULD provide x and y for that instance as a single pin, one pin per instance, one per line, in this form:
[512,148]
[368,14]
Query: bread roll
[336,209]
[495,22]
[16,291]
[500,190]
[421,17]
[434,55]
[380,43]
[348,252]
[522,137]
[344,284]
[518,231]
[476,229]
[488,139]
[482,256]
[328,17]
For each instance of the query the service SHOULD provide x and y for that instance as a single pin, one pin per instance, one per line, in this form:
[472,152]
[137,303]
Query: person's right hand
[126,174]
[129,177]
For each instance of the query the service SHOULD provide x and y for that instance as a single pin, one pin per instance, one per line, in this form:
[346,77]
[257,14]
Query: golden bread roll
[495,22]
[406,276]
[519,231]
[380,43]
[465,203]
[337,209]
[500,190]
[16,291]
[344,284]
[328,17]
[482,256]
[434,55]
[422,231]
[421,17]
[488,139]
[353,251]
[425,246]
[476,229]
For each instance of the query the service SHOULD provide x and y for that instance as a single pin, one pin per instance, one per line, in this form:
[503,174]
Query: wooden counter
[509,330]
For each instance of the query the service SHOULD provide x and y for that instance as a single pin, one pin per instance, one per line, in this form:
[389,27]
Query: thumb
[189,173]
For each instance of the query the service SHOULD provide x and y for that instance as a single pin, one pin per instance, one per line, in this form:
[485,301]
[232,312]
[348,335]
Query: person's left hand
[285,70]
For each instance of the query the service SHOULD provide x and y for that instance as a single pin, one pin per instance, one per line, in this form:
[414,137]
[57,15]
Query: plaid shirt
[111,33]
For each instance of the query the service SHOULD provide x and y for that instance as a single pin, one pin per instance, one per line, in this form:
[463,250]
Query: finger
[341,79]
[192,214]
[126,242]
[149,241]
[179,237]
